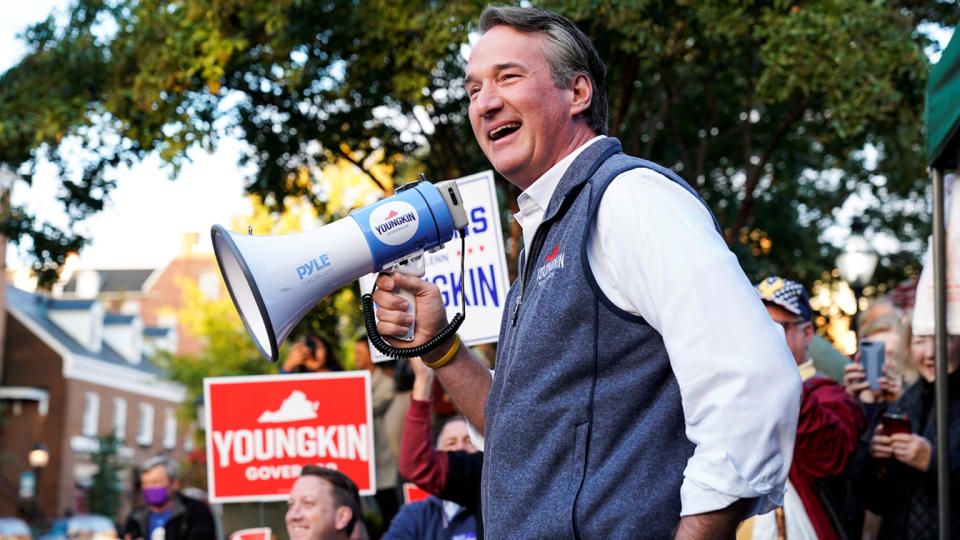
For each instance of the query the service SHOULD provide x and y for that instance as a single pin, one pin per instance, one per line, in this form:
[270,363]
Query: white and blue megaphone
[274,280]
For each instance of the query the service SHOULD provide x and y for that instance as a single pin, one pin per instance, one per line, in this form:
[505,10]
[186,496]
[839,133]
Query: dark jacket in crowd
[425,520]
[905,497]
[452,476]
[189,520]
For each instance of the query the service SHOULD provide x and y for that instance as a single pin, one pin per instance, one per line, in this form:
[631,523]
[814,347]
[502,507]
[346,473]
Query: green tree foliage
[105,491]
[775,111]
[767,109]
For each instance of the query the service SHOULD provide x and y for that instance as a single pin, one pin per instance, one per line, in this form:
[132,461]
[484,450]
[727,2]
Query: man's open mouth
[504,130]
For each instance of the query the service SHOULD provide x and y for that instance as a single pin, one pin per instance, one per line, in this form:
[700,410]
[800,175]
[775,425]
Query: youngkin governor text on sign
[262,429]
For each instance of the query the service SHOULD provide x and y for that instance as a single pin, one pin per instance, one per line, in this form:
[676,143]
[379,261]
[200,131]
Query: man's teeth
[504,130]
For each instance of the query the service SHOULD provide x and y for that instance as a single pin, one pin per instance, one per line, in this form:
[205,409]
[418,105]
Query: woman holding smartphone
[897,369]
[900,482]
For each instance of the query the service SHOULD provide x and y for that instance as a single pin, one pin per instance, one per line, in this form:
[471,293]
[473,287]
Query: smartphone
[895,423]
[871,358]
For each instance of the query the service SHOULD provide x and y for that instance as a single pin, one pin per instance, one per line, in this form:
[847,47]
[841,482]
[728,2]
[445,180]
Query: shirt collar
[807,370]
[536,197]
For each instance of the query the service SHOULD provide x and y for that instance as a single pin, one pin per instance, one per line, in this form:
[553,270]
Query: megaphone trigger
[413,265]
[411,309]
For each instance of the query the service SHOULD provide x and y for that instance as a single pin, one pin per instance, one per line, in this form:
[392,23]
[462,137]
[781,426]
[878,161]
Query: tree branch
[337,150]
[757,172]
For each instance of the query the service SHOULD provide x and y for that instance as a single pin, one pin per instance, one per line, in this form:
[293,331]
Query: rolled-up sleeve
[739,384]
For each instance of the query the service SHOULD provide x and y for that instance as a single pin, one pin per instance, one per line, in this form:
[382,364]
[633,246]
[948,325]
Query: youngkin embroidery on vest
[552,263]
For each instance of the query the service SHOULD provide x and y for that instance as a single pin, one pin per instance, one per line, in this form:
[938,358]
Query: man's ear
[582,93]
[342,517]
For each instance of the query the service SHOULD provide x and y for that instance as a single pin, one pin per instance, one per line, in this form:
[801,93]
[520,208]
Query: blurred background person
[436,518]
[382,389]
[898,369]
[899,482]
[452,470]
[828,429]
[313,354]
[167,514]
[393,418]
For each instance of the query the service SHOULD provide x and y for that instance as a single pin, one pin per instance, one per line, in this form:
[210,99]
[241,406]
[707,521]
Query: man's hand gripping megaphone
[430,314]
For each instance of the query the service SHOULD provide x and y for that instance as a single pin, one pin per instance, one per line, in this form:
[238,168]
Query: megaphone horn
[274,280]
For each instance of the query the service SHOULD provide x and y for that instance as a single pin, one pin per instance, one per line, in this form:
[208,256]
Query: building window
[88,283]
[167,320]
[120,418]
[209,285]
[91,413]
[169,429]
[145,425]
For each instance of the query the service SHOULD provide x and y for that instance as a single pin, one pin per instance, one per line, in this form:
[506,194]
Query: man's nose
[487,101]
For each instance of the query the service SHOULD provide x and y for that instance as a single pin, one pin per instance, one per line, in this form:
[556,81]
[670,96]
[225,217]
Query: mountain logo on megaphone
[394,222]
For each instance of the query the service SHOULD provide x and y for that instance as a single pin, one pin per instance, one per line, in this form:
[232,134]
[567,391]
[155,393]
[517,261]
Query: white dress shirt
[739,384]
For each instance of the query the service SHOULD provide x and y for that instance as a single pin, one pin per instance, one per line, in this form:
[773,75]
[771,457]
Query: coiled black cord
[370,321]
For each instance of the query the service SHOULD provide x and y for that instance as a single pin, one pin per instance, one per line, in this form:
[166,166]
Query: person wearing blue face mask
[167,515]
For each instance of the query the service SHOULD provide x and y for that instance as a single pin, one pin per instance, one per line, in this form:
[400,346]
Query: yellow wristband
[447,357]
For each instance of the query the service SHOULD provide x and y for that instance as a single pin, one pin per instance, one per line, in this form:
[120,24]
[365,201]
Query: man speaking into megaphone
[636,364]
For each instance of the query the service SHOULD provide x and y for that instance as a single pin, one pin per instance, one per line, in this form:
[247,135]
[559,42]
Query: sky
[148,212]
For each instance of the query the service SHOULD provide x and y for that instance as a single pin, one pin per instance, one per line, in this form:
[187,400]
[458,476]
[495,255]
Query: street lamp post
[856,264]
[38,458]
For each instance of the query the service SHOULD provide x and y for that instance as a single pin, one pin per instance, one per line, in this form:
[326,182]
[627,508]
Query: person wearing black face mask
[167,515]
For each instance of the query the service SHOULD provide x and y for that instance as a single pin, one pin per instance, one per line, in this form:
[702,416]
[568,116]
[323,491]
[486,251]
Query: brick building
[77,364]
[73,372]
[154,294]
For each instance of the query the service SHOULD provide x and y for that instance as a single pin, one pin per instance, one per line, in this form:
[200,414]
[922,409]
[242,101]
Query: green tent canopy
[942,112]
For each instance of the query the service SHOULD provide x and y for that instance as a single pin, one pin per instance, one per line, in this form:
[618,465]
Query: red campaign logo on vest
[551,264]
[553,255]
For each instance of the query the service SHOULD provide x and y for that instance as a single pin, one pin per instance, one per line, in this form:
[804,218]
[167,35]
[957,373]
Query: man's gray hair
[162,460]
[568,51]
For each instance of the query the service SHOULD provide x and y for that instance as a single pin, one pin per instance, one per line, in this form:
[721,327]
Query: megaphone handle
[411,309]
[370,321]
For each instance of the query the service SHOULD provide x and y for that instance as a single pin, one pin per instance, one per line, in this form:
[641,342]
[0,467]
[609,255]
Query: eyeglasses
[787,324]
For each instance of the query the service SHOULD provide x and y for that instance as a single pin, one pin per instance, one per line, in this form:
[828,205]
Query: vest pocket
[577,472]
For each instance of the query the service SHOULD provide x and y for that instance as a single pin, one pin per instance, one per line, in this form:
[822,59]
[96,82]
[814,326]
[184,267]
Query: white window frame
[91,414]
[209,285]
[145,425]
[120,418]
[169,429]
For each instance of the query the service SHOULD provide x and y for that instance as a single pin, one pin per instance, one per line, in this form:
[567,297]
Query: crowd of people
[853,473]
[643,387]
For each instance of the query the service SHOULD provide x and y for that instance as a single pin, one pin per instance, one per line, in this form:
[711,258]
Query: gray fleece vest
[584,426]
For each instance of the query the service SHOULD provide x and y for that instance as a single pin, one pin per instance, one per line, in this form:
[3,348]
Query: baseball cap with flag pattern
[786,294]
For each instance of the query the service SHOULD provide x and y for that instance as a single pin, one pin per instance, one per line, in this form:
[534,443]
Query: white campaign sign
[485,282]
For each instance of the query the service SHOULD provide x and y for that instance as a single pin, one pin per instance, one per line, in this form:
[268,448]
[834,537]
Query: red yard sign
[413,493]
[262,429]
[260,533]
